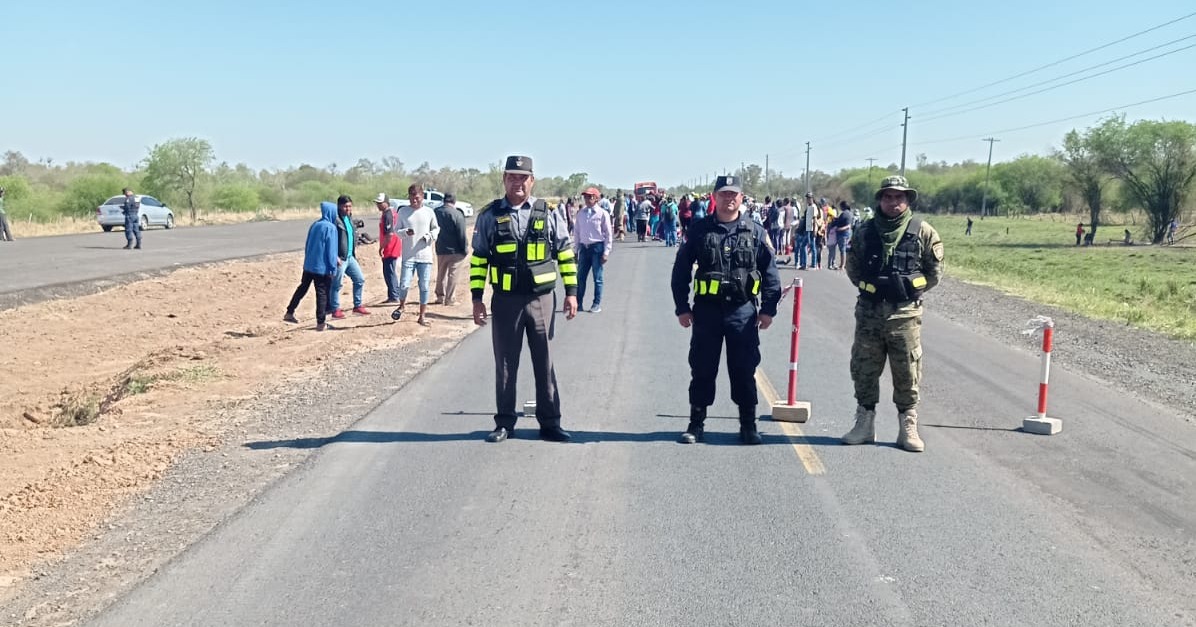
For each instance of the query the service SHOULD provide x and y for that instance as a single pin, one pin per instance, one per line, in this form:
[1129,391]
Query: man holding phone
[420,230]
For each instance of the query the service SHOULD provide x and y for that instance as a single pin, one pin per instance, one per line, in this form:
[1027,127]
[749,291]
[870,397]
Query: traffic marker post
[1040,424]
[793,410]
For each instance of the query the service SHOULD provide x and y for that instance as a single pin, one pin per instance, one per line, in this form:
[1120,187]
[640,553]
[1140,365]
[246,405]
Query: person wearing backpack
[668,217]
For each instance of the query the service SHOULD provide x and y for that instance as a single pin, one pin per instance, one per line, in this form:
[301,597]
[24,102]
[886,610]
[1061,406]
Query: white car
[434,200]
[153,213]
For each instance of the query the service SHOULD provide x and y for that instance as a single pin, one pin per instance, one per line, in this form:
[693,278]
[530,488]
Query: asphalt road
[38,267]
[408,518]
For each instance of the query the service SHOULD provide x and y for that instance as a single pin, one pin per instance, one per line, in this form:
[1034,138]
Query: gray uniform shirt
[487,225]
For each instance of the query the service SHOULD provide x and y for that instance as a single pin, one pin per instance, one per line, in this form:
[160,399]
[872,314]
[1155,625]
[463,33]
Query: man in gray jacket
[451,248]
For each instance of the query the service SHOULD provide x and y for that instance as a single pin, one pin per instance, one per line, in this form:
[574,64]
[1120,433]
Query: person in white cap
[390,247]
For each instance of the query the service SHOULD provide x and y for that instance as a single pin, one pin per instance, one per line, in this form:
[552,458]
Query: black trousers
[323,283]
[512,318]
[714,324]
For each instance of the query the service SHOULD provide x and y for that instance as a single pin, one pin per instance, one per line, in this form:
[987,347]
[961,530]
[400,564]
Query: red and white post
[1040,423]
[793,410]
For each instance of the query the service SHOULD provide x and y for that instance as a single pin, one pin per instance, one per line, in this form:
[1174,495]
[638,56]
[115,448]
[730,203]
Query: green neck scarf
[891,230]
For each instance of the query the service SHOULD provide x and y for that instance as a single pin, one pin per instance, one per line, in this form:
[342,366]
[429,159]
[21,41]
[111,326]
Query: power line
[1056,121]
[853,129]
[861,126]
[1053,87]
[1054,63]
[1057,78]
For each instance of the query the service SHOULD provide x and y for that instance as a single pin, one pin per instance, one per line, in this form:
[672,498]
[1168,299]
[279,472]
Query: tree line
[183,173]
[1147,165]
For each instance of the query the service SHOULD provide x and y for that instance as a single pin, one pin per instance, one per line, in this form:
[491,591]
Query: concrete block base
[529,409]
[798,412]
[1042,426]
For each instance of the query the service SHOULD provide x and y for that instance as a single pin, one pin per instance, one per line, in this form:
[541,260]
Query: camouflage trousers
[886,331]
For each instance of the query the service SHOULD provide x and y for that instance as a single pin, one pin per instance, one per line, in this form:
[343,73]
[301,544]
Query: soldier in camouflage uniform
[895,258]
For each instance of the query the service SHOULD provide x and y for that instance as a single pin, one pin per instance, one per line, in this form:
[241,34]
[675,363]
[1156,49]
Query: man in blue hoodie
[320,263]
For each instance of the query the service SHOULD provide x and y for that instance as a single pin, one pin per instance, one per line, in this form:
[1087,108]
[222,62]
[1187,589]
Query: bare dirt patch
[107,390]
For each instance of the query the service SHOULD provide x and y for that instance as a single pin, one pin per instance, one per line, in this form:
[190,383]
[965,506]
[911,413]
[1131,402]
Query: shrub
[238,197]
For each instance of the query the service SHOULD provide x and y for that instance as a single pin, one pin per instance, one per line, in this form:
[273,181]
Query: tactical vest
[727,269]
[901,279]
[522,267]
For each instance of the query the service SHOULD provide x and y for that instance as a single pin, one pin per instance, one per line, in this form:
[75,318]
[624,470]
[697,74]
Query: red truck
[645,188]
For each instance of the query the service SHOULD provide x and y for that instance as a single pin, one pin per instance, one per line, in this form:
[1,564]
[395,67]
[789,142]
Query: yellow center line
[809,459]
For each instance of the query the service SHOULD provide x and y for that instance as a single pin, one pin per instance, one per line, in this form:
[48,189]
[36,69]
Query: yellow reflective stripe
[756,286]
[478,261]
[477,284]
[545,277]
[477,273]
[868,287]
[569,280]
[700,288]
[494,275]
[505,248]
[506,282]
[538,225]
[565,255]
[568,268]
[919,281]
[713,286]
[537,251]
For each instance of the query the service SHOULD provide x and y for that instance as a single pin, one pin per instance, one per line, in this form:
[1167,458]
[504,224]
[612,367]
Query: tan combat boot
[864,431]
[907,432]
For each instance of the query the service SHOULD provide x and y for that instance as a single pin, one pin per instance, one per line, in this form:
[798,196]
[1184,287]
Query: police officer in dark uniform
[519,247]
[736,291]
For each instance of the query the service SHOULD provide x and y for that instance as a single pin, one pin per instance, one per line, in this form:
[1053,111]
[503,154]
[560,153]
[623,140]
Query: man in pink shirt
[593,234]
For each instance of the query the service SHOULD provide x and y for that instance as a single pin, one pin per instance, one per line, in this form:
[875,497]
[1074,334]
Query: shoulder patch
[937,249]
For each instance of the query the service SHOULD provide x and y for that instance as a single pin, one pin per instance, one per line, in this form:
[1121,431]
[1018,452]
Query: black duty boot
[554,434]
[695,431]
[747,425]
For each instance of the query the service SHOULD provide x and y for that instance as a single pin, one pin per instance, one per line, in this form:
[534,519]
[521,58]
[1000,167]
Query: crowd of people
[816,232]
[413,234]
[728,253]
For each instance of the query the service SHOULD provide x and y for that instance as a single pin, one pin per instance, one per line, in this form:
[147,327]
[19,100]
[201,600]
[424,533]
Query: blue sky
[622,90]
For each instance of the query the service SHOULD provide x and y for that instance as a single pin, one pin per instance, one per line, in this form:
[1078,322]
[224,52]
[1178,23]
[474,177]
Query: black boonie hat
[727,182]
[518,164]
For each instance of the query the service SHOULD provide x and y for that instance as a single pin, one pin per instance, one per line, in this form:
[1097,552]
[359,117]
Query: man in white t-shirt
[420,228]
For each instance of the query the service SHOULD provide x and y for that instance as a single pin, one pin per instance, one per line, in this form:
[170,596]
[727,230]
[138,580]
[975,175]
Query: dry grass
[70,225]
[1152,287]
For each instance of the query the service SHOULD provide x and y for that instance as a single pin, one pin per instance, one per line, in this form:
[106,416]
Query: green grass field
[1153,287]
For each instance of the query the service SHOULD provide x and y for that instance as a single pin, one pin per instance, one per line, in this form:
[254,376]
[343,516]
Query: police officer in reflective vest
[736,291]
[519,248]
[895,258]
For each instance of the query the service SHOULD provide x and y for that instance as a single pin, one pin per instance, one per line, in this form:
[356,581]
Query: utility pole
[987,171]
[904,138]
[870,161]
[807,166]
[767,186]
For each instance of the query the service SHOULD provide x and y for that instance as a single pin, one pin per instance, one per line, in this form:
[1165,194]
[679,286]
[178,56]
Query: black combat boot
[696,430]
[747,425]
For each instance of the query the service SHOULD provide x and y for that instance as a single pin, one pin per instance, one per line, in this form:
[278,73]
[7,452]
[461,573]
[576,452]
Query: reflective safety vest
[901,279]
[522,267]
[727,270]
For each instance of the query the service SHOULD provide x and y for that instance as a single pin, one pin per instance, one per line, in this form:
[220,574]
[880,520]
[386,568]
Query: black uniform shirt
[687,255]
